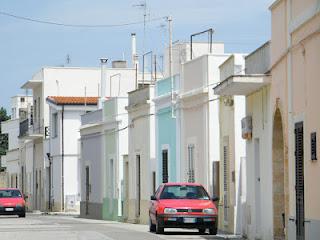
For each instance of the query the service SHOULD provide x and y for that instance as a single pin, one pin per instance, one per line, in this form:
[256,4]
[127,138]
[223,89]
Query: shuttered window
[225,182]
[165,176]
[191,177]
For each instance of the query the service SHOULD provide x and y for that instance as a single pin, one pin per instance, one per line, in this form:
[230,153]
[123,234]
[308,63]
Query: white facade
[20,109]
[11,160]
[200,118]
[64,152]
[257,130]
[49,81]
[140,170]
[20,103]
[232,109]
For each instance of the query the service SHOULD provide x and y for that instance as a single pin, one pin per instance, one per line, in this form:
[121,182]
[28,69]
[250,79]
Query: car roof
[181,184]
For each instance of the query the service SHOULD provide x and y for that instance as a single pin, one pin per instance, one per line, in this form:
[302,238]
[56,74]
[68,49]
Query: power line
[76,25]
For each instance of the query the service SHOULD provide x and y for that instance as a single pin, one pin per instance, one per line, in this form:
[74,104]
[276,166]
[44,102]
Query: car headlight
[209,211]
[170,210]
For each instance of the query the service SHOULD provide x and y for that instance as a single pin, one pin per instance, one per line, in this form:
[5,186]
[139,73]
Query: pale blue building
[167,130]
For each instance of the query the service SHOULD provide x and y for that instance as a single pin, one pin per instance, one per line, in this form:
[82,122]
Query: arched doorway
[278,177]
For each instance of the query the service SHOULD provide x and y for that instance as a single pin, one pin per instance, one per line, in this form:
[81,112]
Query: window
[22,100]
[184,192]
[10,193]
[314,146]
[165,177]
[35,110]
[55,125]
[191,177]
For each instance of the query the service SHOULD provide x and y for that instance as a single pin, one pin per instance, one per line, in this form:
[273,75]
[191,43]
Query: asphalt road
[43,227]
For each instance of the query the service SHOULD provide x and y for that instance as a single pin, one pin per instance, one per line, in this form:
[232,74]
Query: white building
[232,109]
[64,168]
[257,130]
[20,107]
[49,81]
[199,113]
[140,169]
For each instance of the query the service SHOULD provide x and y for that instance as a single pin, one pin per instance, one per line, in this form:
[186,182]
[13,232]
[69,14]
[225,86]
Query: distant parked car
[12,202]
[183,205]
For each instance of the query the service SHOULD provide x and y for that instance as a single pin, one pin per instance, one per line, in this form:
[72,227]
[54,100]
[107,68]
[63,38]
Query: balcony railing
[24,128]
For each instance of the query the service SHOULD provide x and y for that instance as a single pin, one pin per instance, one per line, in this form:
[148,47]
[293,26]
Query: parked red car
[12,202]
[183,205]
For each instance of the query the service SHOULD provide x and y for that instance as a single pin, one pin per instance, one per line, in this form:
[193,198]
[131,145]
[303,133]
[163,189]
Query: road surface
[45,227]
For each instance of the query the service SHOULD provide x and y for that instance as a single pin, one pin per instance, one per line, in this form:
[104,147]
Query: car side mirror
[153,198]
[25,197]
[215,198]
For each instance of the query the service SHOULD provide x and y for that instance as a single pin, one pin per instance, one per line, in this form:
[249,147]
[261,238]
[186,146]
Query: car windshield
[10,193]
[184,192]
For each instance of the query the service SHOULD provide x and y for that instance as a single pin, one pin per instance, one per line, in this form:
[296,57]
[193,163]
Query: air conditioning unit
[246,125]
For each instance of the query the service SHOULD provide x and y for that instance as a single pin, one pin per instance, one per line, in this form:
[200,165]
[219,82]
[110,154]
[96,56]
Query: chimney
[134,55]
[103,62]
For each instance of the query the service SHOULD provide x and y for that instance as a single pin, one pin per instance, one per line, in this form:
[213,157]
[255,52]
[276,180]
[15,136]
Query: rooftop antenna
[143,5]
[68,59]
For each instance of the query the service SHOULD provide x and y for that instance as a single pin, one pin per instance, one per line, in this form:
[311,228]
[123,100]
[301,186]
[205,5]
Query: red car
[12,202]
[183,205]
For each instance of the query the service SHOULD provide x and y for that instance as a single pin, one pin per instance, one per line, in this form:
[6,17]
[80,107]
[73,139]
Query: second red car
[183,205]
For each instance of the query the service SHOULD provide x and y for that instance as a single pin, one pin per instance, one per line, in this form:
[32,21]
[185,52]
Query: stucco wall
[262,125]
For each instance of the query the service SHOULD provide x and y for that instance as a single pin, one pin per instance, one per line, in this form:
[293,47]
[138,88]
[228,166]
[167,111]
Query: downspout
[62,159]
[289,83]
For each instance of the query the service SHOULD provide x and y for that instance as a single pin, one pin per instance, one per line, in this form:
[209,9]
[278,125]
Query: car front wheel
[159,227]
[22,215]
[213,230]
[152,227]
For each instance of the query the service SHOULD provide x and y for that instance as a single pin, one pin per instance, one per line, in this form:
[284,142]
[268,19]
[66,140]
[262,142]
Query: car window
[10,194]
[184,192]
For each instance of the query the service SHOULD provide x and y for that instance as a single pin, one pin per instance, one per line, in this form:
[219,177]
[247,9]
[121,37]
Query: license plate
[9,209]
[189,220]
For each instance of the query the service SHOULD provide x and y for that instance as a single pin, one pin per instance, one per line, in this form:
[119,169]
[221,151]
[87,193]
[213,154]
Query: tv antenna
[143,6]
[68,59]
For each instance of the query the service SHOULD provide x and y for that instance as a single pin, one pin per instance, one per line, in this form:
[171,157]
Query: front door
[299,155]
[87,190]
[257,186]
[138,182]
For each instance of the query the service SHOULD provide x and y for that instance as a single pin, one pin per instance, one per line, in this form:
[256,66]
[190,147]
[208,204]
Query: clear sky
[25,47]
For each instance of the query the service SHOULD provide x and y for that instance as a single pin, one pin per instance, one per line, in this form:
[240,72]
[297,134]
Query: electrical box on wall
[246,125]
[313,146]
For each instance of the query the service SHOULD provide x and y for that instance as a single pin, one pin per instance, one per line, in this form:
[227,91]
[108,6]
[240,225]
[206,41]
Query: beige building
[295,61]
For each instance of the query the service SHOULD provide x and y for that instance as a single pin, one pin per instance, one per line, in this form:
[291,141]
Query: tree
[3,137]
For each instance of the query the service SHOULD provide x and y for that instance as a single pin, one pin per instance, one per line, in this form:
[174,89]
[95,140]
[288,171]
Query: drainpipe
[289,84]
[62,159]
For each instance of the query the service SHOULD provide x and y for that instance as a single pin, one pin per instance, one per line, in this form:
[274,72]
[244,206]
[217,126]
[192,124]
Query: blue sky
[25,47]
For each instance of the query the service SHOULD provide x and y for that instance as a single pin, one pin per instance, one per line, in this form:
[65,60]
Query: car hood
[11,201]
[187,203]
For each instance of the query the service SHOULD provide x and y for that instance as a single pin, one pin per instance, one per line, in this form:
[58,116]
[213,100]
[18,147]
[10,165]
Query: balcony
[28,131]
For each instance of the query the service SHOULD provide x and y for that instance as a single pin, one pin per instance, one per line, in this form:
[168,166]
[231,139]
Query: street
[40,227]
